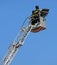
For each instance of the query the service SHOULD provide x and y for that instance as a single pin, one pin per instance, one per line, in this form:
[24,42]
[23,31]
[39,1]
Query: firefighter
[33,19]
[35,15]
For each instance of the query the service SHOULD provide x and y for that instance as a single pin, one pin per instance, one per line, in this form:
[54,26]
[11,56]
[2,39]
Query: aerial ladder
[22,35]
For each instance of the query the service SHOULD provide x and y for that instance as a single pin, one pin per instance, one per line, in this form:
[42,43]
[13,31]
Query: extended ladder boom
[16,45]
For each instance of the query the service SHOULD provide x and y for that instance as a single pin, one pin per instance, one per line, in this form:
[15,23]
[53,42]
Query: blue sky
[39,48]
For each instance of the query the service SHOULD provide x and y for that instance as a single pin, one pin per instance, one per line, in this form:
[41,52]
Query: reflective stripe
[36,11]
